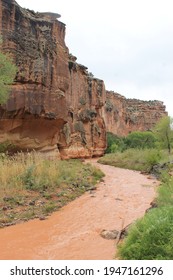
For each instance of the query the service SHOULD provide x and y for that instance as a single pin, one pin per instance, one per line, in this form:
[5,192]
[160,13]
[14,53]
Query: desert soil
[73,232]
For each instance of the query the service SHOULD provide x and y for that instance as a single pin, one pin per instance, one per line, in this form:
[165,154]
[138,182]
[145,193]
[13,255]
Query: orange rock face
[56,106]
[123,116]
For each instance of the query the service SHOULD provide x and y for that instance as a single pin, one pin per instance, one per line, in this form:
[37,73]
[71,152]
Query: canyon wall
[56,106]
[123,115]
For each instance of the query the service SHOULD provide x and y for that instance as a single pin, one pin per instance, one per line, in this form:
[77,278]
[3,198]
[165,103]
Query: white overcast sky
[127,43]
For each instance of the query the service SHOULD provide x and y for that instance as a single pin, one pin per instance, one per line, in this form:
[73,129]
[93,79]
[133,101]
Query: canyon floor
[73,232]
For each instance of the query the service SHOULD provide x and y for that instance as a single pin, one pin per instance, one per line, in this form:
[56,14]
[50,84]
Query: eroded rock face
[123,116]
[56,106]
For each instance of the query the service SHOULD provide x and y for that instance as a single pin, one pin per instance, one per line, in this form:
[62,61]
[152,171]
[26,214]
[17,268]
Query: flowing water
[73,232]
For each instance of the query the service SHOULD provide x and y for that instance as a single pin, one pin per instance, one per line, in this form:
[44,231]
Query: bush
[151,238]
[113,148]
[114,143]
[6,147]
[153,157]
[28,178]
[140,140]
[137,139]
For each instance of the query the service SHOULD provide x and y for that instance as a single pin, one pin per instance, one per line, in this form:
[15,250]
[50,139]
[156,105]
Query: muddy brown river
[73,233]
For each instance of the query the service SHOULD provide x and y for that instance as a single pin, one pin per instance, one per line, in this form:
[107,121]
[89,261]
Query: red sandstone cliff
[55,105]
[123,116]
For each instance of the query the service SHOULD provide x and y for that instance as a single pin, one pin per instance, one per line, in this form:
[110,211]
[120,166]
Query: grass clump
[165,191]
[151,238]
[31,186]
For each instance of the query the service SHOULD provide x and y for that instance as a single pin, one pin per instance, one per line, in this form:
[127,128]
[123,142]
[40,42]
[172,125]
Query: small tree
[7,75]
[164,132]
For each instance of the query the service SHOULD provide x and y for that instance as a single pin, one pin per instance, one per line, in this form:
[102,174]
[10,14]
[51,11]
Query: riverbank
[74,231]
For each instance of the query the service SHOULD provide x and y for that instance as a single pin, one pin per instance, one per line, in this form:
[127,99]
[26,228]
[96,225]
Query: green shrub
[113,148]
[137,140]
[114,143]
[140,140]
[6,146]
[153,156]
[28,178]
[151,238]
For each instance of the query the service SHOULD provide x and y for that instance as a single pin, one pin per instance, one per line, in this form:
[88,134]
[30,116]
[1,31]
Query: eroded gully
[74,231]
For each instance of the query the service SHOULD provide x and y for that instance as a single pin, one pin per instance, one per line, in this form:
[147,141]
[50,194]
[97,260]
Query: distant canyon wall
[123,115]
[56,106]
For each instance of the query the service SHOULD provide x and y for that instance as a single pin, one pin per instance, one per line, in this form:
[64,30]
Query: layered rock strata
[123,115]
[56,106]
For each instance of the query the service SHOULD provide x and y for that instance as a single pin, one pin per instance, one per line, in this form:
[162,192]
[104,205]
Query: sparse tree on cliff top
[164,132]
[7,75]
